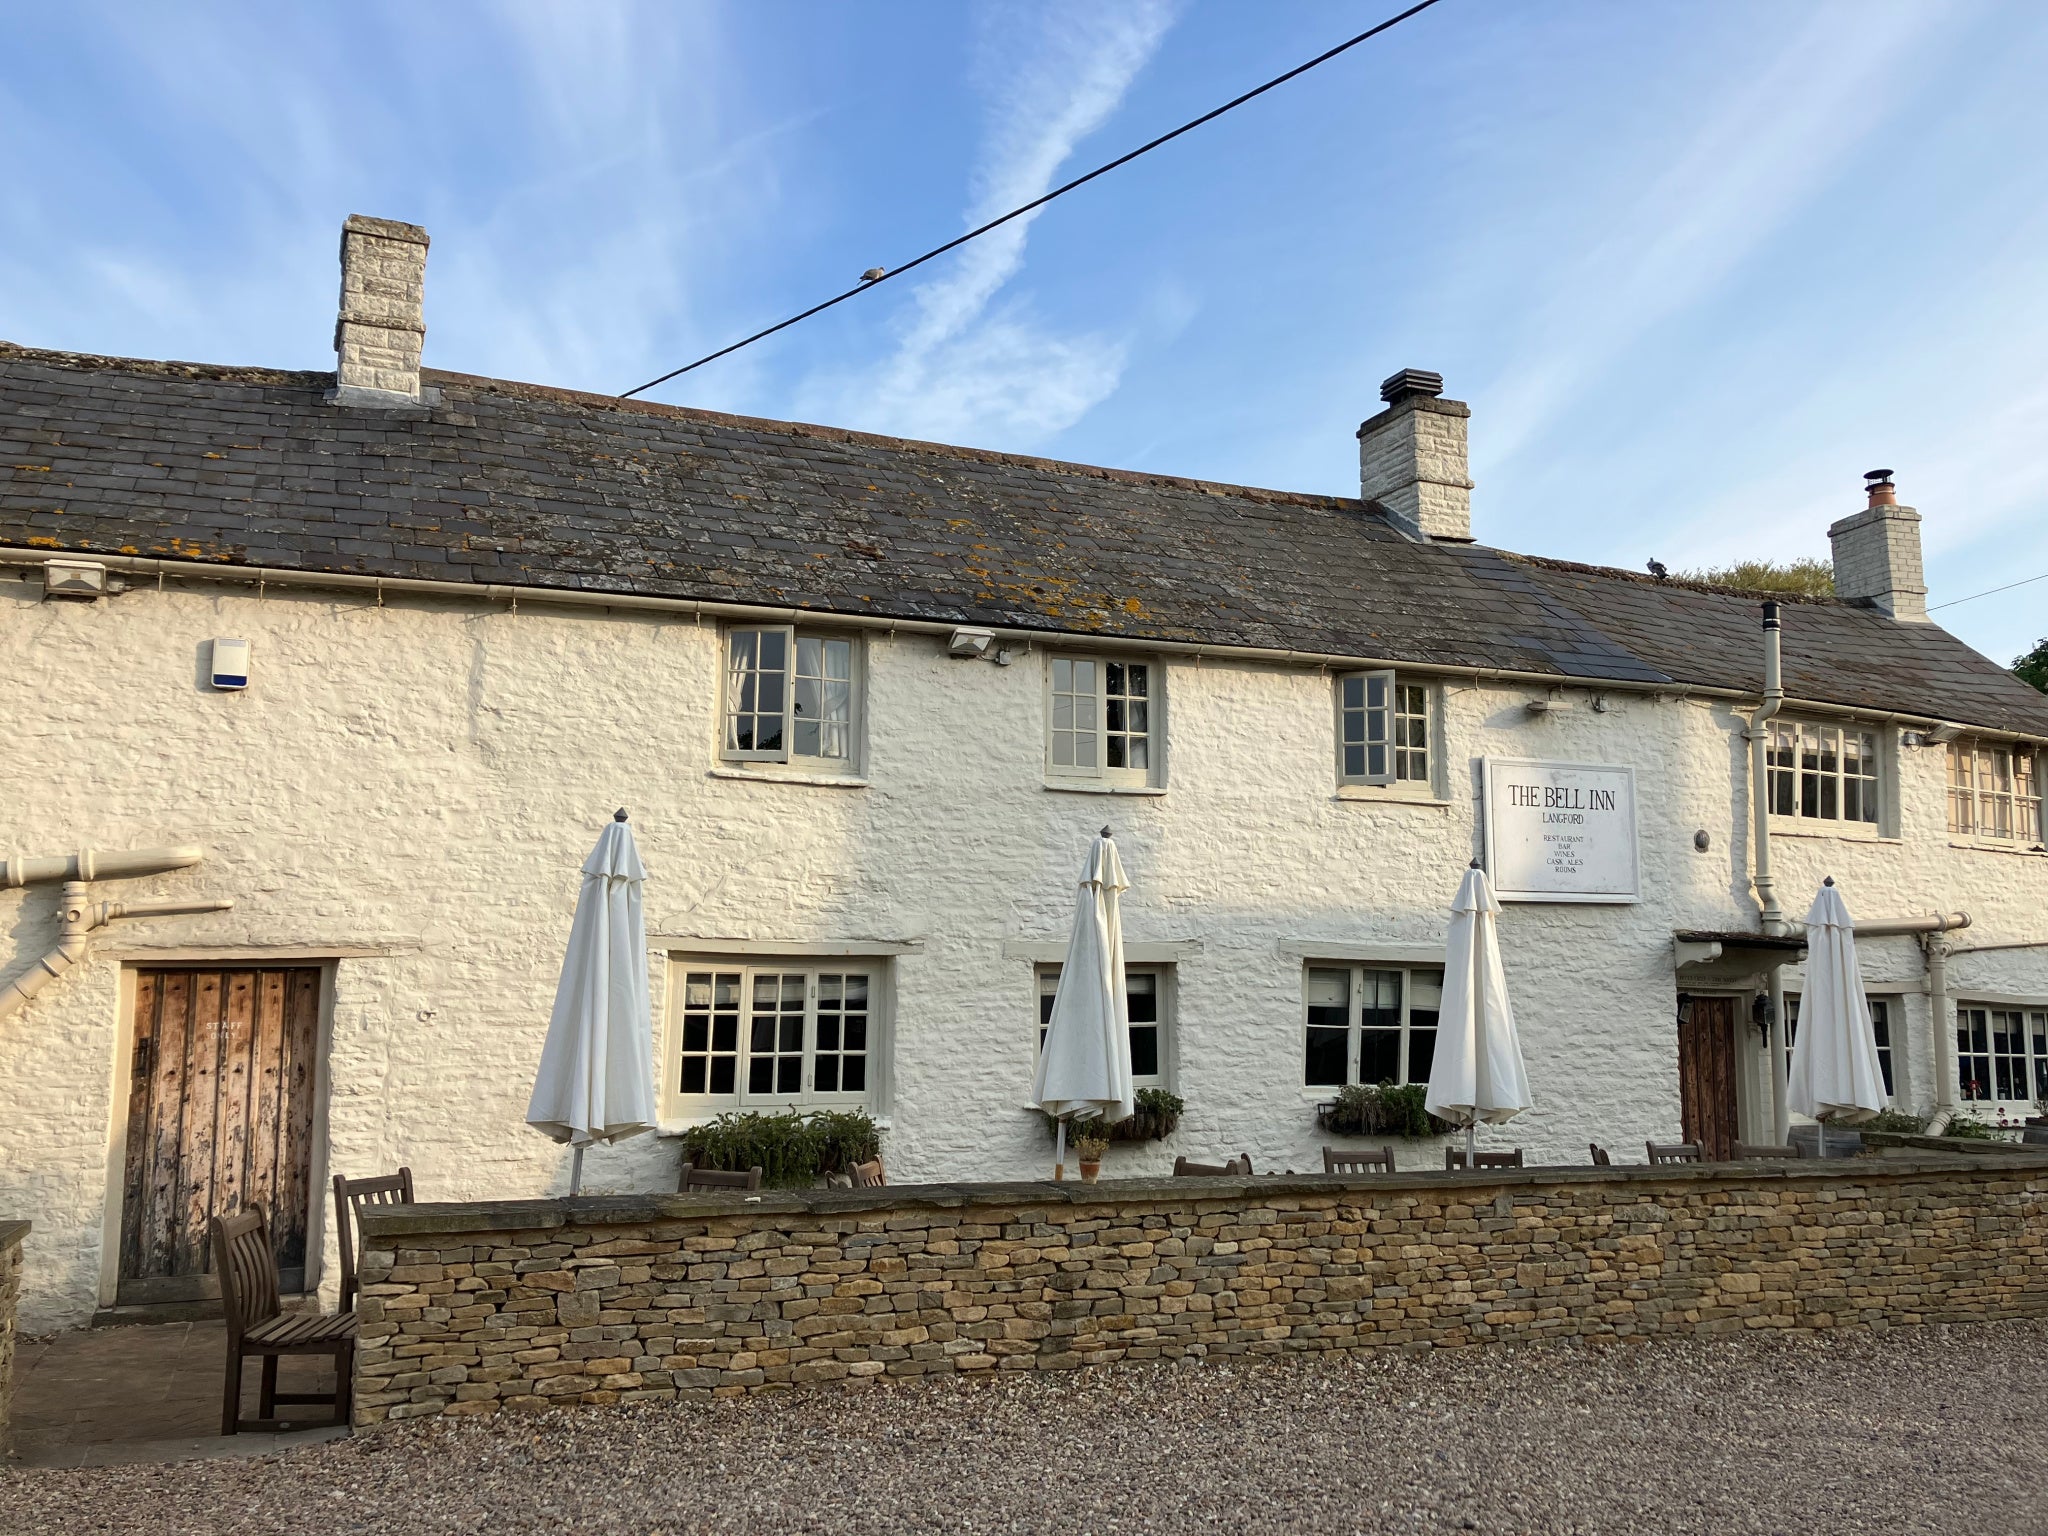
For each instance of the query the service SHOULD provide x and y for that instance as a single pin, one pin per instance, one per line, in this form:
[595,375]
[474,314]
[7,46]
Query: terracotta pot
[1089,1172]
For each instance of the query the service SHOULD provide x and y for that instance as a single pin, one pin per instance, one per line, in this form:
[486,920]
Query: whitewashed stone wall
[411,788]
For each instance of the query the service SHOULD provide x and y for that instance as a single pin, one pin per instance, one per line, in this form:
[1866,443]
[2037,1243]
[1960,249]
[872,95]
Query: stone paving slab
[112,1396]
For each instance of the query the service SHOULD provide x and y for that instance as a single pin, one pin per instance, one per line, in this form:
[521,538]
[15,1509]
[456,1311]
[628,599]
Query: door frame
[122,1079]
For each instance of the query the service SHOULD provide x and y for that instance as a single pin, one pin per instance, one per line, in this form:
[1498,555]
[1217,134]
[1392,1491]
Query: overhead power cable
[1993,592]
[876,276]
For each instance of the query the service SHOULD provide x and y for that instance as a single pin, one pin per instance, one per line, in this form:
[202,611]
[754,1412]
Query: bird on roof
[1659,570]
[874,274]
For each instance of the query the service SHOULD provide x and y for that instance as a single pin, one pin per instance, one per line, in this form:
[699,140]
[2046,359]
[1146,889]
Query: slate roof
[513,483]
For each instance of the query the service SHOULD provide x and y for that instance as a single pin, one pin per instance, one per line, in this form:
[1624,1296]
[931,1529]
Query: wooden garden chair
[1600,1157]
[868,1175]
[694,1177]
[1675,1151]
[257,1325]
[1239,1167]
[1746,1150]
[350,1196]
[1368,1161]
[1454,1157]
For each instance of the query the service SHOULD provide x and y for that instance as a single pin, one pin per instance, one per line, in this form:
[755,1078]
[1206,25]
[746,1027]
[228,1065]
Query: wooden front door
[1706,1075]
[220,1116]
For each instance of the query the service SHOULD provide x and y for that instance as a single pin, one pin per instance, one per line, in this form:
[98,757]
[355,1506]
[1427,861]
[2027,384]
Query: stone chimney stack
[1877,554]
[378,335]
[1411,459]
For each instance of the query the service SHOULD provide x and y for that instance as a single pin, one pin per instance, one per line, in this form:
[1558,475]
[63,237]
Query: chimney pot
[380,329]
[1877,554]
[1412,459]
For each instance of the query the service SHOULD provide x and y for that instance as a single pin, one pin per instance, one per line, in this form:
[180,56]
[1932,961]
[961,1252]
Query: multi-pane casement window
[1370,1024]
[1102,720]
[774,1034]
[1382,730]
[1823,772]
[2001,1054]
[1880,1025]
[1145,987]
[1994,790]
[790,697]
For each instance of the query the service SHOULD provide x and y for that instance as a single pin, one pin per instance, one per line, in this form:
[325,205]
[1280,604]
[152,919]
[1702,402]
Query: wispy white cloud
[1749,165]
[964,365]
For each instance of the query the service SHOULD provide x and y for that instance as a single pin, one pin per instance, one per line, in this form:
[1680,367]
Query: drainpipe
[1772,919]
[82,916]
[1929,931]
[1769,917]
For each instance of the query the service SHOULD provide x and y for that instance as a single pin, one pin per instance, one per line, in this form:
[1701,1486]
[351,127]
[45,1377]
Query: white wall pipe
[81,916]
[1772,919]
[1933,922]
[1936,949]
[94,864]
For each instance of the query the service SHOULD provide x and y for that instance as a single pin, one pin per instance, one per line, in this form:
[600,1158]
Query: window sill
[1989,845]
[1848,832]
[780,776]
[1381,794]
[1082,787]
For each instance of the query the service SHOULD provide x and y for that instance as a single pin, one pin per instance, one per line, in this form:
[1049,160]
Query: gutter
[81,917]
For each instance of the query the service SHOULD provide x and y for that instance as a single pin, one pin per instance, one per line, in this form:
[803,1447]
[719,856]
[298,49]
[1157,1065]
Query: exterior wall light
[1685,1008]
[970,644]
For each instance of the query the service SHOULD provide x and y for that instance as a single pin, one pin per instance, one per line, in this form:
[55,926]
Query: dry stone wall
[475,1310]
[11,1235]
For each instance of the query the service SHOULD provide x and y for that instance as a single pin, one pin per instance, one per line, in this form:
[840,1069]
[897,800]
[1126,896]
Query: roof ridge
[1666,583]
[589,400]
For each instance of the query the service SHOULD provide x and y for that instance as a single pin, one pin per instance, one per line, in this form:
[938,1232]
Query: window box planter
[1156,1118]
[1384,1110]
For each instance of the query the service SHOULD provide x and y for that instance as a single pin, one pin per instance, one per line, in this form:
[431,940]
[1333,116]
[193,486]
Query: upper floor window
[1382,730]
[2001,1053]
[1994,790]
[1370,1024]
[1145,988]
[1823,772]
[790,697]
[774,1033]
[1103,720]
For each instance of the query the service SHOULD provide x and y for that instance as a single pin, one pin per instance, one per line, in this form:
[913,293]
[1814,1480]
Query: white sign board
[1561,831]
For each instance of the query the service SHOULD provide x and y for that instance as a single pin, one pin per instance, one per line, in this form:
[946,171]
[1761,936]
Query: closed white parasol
[1835,1074]
[596,1078]
[1477,1074]
[1084,1069]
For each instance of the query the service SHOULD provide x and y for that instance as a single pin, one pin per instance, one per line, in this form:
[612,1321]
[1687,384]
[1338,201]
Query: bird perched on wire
[1658,570]
[874,274]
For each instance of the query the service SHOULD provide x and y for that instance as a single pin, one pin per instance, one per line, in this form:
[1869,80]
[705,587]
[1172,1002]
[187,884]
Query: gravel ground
[1919,1430]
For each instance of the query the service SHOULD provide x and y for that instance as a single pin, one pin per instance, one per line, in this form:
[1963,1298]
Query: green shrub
[1895,1120]
[1967,1127]
[1381,1110]
[791,1148]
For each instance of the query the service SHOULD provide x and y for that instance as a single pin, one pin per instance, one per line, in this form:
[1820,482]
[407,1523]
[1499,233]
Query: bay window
[1370,1024]
[774,1033]
[790,697]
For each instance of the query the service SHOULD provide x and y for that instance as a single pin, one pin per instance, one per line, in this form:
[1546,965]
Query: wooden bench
[1746,1150]
[1239,1167]
[1454,1157]
[257,1325]
[1674,1151]
[693,1177]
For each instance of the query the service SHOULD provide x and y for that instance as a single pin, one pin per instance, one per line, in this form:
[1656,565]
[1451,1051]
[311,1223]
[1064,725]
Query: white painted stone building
[481,615]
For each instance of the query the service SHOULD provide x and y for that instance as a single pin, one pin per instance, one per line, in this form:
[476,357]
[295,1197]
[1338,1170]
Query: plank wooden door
[1706,1075]
[220,1115]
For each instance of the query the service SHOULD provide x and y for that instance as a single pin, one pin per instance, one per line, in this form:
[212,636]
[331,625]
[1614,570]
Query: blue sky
[1696,267]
